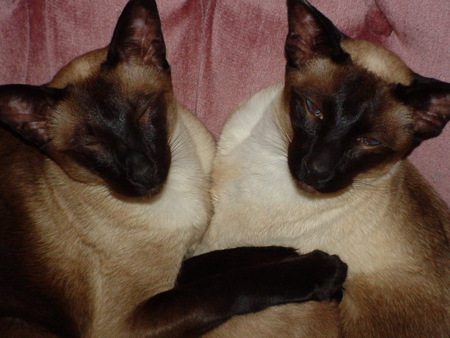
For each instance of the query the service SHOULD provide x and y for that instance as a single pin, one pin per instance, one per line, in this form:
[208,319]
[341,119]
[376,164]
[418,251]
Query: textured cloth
[223,51]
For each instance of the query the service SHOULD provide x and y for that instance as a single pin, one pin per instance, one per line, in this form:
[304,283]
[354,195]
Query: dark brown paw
[330,273]
[313,276]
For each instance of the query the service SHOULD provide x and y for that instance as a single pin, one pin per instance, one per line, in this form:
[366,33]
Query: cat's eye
[368,141]
[94,146]
[91,144]
[313,109]
[88,146]
[145,116]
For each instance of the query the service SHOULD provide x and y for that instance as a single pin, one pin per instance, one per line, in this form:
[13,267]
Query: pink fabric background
[222,51]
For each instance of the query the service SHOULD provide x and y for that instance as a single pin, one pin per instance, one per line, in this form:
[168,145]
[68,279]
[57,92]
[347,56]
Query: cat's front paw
[314,276]
[329,273]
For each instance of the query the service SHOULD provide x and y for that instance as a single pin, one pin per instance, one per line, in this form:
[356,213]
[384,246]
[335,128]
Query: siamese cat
[104,189]
[319,162]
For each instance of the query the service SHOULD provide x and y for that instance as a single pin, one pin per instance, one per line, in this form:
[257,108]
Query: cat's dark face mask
[340,134]
[354,109]
[122,138]
[107,116]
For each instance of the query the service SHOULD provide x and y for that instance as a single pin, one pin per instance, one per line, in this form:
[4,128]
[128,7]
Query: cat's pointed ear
[311,34]
[429,100]
[138,38]
[25,109]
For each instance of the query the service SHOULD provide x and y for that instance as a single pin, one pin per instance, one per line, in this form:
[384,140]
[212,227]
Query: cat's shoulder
[246,116]
[200,137]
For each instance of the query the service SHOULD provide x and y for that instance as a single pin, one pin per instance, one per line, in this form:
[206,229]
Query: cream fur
[256,202]
[107,253]
[128,250]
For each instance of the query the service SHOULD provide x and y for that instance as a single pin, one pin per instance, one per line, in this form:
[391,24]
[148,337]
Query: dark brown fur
[84,183]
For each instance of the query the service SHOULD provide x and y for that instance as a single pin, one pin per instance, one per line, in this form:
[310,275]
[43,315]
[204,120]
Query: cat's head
[353,108]
[107,116]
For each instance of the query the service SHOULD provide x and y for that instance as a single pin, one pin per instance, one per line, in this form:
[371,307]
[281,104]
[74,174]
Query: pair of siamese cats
[105,189]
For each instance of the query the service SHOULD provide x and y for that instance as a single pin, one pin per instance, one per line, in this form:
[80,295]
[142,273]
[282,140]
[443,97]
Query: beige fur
[388,226]
[104,253]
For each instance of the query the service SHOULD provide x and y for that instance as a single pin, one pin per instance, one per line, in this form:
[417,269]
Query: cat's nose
[320,166]
[139,167]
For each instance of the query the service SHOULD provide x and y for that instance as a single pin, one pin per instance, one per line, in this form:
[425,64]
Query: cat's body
[77,256]
[116,251]
[364,225]
[385,222]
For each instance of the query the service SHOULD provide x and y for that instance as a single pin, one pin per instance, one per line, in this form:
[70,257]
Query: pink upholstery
[223,51]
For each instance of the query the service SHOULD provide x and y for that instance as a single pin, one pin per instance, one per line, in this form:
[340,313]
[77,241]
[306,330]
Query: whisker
[277,142]
[176,143]
[371,186]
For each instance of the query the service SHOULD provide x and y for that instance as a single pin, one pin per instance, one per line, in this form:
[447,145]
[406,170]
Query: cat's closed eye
[92,144]
[87,142]
[146,115]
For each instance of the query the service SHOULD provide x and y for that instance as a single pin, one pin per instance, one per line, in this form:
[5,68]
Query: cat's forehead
[350,94]
[323,80]
[378,60]
[370,64]
[108,99]
[98,90]
[131,76]
[102,100]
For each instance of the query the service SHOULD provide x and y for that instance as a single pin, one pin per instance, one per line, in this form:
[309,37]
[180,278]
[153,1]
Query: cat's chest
[248,213]
[117,253]
[147,234]
[258,203]
[118,238]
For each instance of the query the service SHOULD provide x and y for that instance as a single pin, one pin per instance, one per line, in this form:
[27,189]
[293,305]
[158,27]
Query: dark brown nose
[140,169]
[320,165]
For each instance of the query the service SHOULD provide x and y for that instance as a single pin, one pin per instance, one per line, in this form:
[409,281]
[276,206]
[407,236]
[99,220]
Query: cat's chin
[138,194]
[322,191]
[307,188]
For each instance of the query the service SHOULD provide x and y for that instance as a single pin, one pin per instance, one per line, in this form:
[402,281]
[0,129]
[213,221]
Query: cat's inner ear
[26,109]
[311,34]
[429,100]
[138,38]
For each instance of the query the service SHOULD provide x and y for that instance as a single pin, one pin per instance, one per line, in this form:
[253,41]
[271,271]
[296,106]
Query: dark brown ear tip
[429,101]
[311,34]
[292,3]
[31,93]
[421,89]
[138,37]
[148,4]
[24,109]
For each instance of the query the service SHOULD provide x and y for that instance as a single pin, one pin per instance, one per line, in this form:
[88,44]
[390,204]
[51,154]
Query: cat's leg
[400,304]
[195,308]
[310,319]
[220,261]
[15,327]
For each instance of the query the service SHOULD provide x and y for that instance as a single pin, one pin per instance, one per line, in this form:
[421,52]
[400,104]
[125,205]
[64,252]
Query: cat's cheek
[371,165]
[76,171]
[375,171]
